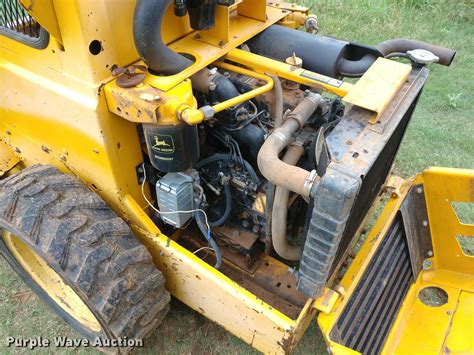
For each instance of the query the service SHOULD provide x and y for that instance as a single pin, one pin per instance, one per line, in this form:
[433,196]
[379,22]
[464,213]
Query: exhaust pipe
[333,57]
[147,22]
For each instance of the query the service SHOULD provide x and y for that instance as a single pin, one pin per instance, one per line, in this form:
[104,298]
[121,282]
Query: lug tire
[89,247]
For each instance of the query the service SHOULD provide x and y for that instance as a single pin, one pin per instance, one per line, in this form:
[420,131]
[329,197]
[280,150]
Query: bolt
[430,253]
[349,142]
[197,36]
[95,150]
[419,190]
[9,133]
[425,223]
[212,86]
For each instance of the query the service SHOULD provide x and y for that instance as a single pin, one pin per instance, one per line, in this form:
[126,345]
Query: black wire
[246,123]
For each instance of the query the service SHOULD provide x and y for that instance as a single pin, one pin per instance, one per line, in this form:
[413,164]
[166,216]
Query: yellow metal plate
[462,324]
[378,86]
[8,159]
[434,322]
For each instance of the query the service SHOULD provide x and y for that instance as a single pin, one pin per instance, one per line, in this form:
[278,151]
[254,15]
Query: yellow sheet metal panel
[460,339]
[378,86]
[69,128]
[214,295]
[43,12]
[443,187]
[8,159]
[425,327]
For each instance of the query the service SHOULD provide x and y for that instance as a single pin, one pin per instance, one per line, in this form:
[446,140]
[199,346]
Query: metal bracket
[378,86]
[325,303]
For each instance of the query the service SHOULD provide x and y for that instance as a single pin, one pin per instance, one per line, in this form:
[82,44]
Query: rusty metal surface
[269,279]
[417,229]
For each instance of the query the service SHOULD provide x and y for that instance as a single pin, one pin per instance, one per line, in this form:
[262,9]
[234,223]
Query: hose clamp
[310,180]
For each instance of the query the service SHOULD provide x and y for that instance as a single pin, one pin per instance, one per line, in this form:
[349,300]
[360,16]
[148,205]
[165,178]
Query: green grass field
[441,134]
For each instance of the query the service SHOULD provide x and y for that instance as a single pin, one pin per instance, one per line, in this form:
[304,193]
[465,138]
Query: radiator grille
[368,316]
[14,18]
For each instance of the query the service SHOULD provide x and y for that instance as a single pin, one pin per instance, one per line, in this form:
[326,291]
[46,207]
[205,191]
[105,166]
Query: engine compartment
[254,148]
[228,184]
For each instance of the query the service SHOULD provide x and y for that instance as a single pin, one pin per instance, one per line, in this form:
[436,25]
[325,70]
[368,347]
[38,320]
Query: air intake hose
[147,22]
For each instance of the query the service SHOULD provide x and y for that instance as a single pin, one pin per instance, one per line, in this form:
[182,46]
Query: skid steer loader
[209,150]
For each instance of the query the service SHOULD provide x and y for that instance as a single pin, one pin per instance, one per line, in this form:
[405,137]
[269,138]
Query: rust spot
[197,277]
[45,149]
[202,310]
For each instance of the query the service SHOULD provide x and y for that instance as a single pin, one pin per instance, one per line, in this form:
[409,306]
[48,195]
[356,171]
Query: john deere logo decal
[163,144]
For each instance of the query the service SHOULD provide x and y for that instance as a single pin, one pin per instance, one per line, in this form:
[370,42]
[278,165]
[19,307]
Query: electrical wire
[201,249]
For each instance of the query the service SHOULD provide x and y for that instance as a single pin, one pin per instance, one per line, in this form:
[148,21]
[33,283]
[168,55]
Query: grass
[441,134]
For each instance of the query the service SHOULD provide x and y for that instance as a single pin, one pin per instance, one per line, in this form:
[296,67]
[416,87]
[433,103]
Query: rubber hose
[278,100]
[147,23]
[400,45]
[228,208]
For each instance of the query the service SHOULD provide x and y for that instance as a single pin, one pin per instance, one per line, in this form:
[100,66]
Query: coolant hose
[199,216]
[147,22]
[279,173]
[445,55]
[280,212]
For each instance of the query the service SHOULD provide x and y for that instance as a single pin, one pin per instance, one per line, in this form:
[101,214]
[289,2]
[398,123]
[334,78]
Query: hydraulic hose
[280,212]
[290,177]
[147,22]
[228,208]
[199,216]
[389,47]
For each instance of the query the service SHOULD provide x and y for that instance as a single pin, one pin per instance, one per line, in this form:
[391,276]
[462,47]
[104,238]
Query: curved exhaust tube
[272,168]
[147,22]
[280,212]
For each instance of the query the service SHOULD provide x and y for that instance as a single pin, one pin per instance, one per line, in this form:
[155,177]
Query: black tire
[89,247]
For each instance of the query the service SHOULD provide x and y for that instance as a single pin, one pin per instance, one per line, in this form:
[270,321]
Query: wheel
[79,257]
